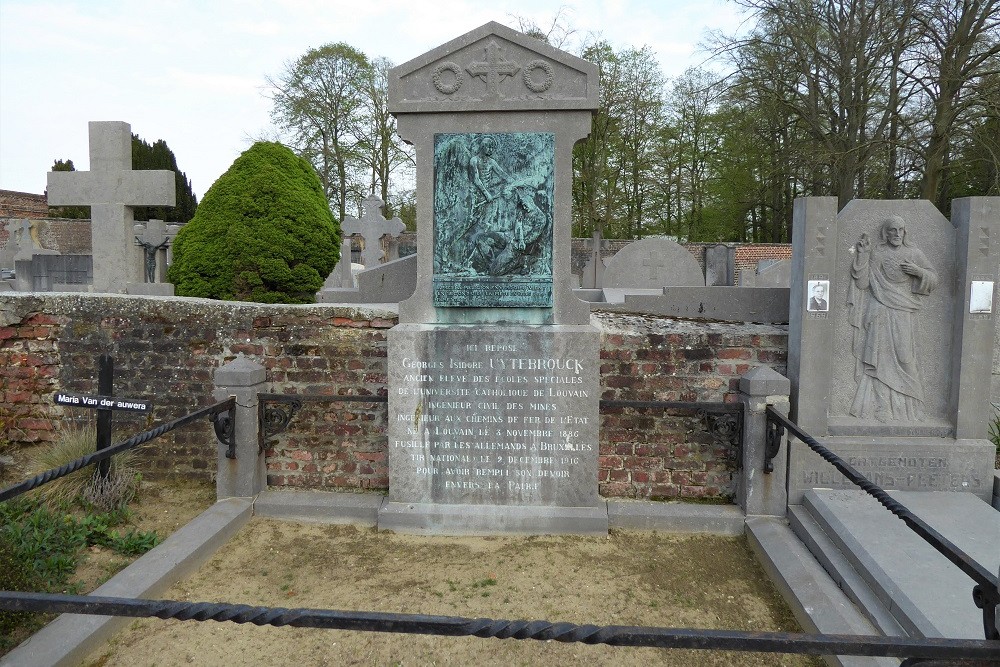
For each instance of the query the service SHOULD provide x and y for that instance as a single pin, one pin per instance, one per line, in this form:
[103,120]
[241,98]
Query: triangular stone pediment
[493,68]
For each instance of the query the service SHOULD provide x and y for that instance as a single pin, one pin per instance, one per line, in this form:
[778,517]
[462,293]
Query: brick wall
[22,205]
[647,453]
[166,350]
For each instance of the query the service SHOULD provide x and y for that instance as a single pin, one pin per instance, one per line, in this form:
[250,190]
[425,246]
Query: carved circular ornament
[529,79]
[443,87]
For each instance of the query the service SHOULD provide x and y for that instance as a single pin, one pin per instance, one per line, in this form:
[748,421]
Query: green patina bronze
[493,219]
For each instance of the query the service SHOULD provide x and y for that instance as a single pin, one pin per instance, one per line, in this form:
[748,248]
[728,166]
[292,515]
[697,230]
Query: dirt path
[628,579]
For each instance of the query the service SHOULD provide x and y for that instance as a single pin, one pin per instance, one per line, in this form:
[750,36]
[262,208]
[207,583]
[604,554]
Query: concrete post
[245,476]
[759,493]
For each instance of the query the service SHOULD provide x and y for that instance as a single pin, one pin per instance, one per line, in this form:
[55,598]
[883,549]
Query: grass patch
[104,493]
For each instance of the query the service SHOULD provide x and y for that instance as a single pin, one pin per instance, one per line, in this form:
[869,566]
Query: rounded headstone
[653,263]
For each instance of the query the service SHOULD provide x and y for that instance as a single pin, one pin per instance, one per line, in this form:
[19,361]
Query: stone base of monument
[438,519]
[904,464]
[151,289]
[70,287]
[493,429]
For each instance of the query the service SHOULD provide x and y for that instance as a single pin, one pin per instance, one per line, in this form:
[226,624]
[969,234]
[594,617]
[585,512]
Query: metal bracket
[726,428]
[274,414]
[225,431]
[773,434]
[987,598]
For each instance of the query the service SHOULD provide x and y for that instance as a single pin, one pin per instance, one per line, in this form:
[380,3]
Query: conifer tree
[263,232]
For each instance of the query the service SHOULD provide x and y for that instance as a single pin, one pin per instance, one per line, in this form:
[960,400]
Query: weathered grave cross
[654,263]
[494,68]
[372,227]
[111,188]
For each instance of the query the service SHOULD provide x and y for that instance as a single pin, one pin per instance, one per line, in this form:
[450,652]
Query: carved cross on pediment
[493,69]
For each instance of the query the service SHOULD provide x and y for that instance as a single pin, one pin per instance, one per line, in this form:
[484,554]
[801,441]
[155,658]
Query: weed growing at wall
[106,494]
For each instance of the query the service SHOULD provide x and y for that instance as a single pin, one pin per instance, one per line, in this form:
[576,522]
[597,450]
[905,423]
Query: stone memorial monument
[891,329]
[371,227]
[493,368]
[111,189]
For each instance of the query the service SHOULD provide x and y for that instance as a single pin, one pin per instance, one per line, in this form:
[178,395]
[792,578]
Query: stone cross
[493,69]
[372,227]
[111,189]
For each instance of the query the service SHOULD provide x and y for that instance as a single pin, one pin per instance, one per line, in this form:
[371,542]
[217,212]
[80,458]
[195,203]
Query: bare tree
[960,42]
[317,103]
[379,147]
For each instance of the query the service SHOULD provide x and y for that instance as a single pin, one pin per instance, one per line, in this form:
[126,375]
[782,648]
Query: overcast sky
[193,72]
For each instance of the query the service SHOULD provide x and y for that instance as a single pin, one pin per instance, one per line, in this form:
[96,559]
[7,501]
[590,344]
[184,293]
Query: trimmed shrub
[263,232]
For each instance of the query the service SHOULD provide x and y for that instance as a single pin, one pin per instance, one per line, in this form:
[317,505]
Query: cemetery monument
[493,368]
[111,189]
[891,317]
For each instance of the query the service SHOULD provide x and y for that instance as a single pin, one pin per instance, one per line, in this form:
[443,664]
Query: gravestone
[593,272]
[720,264]
[153,242]
[390,282]
[371,227]
[493,369]
[888,339]
[645,267]
[769,274]
[111,189]
[653,263]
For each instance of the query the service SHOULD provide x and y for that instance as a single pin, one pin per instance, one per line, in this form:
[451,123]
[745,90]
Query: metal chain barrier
[55,473]
[612,635]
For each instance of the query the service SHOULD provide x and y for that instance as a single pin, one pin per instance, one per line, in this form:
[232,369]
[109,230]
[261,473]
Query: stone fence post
[759,493]
[245,476]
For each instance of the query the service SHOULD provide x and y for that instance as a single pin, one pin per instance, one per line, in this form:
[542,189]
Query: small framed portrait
[818,296]
[981,299]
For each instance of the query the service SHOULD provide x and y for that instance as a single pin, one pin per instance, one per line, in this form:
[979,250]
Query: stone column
[759,493]
[245,476]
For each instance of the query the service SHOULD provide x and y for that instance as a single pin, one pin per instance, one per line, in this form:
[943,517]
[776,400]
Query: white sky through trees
[193,73]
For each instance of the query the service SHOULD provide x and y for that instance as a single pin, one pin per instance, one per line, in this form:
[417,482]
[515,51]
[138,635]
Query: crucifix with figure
[111,189]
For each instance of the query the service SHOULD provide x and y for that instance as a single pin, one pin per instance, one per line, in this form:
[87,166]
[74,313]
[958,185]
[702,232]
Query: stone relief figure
[889,283]
[491,197]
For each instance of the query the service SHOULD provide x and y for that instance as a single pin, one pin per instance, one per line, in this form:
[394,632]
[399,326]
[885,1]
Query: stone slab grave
[647,266]
[891,328]
[493,369]
[902,584]
[111,188]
